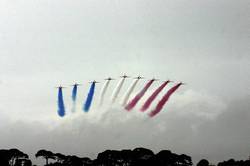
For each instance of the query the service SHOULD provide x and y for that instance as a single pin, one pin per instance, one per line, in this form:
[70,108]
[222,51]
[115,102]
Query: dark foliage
[203,162]
[232,162]
[46,155]
[135,157]
[14,157]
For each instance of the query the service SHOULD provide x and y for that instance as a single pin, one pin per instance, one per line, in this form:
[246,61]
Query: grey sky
[204,43]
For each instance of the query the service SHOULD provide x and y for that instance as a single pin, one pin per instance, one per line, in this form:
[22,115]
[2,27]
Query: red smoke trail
[164,100]
[153,96]
[134,101]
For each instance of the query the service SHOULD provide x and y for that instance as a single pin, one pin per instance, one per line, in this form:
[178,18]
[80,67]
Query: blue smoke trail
[89,98]
[74,94]
[61,108]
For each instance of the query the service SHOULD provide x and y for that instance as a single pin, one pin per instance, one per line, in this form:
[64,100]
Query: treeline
[135,157]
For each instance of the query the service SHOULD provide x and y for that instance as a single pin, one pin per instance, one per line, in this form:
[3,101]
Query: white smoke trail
[117,90]
[73,109]
[103,91]
[128,93]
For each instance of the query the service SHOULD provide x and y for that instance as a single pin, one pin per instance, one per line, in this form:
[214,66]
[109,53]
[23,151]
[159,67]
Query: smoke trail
[89,98]
[117,90]
[103,91]
[61,108]
[134,101]
[74,94]
[151,98]
[164,99]
[129,91]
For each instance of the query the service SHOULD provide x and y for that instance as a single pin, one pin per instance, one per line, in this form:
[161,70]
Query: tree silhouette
[5,157]
[45,154]
[73,161]
[232,162]
[203,162]
[108,157]
[166,157]
[135,157]
[13,157]
[60,158]
[87,161]
[142,156]
[23,162]
[184,160]
[127,157]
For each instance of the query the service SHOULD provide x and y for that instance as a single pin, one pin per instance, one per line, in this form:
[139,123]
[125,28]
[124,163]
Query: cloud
[193,123]
[227,135]
[201,43]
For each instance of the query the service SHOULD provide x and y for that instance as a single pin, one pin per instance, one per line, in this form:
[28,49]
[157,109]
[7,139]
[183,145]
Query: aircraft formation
[126,101]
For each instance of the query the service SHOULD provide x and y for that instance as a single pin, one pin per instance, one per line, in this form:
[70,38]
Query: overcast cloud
[204,43]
